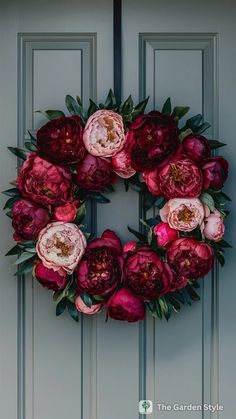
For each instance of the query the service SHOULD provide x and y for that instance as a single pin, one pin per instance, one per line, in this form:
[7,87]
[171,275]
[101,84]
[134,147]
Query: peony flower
[121,162]
[93,174]
[61,140]
[196,147]
[214,228]
[152,181]
[123,305]
[81,306]
[66,212]
[99,271]
[104,134]
[146,275]
[180,179]
[49,278]
[61,246]
[44,182]
[28,219]
[154,137]
[215,172]
[165,234]
[183,214]
[190,258]
[129,246]
[178,283]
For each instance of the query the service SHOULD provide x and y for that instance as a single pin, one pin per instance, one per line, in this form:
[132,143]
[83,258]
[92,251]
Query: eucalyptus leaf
[23,257]
[207,199]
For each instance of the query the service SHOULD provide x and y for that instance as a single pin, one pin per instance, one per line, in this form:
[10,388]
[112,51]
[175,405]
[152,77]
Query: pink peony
[121,162]
[129,246]
[214,227]
[66,212]
[28,219]
[104,134]
[81,306]
[49,278]
[123,305]
[152,181]
[61,246]
[183,214]
[165,234]
[43,182]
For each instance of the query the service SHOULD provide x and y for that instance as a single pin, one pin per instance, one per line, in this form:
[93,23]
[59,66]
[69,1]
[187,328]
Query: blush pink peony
[183,214]
[104,134]
[61,246]
[81,306]
[214,227]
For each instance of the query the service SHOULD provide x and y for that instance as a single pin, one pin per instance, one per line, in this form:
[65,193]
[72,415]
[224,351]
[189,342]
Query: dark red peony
[215,172]
[180,179]
[28,219]
[123,305]
[178,283]
[61,140]
[99,271]
[94,173]
[146,275]
[154,137]
[48,278]
[196,147]
[190,258]
[44,182]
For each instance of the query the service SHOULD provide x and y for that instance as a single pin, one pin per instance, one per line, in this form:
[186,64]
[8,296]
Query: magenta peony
[190,258]
[28,219]
[165,234]
[215,172]
[61,246]
[66,212]
[49,278]
[44,182]
[129,246]
[61,140]
[196,147]
[123,305]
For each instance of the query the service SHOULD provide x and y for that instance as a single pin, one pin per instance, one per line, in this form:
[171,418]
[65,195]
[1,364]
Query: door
[52,368]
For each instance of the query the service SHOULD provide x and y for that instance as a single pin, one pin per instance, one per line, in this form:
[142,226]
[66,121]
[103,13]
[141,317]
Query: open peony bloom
[146,275]
[28,219]
[81,306]
[123,305]
[104,134]
[61,246]
[99,271]
[183,214]
[190,258]
[214,226]
[48,278]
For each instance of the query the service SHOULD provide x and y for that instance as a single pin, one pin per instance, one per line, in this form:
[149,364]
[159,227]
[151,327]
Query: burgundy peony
[43,182]
[28,219]
[178,283]
[123,305]
[165,234]
[61,140]
[99,271]
[196,147]
[190,258]
[180,179]
[154,137]
[146,275]
[215,172]
[49,278]
[152,181]
[94,173]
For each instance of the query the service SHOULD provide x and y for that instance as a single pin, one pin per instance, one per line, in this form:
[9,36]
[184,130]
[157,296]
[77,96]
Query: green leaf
[52,114]
[30,146]
[194,122]
[184,134]
[148,200]
[127,106]
[214,144]
[27,243]
[21,154]
[149,236]
[9,214]
[137,234]
[180,111]
[13,192]
[73,311]
[207,199]
[87,299]
[10,202]
[224,243]
[98,197]
[79,101]
[140,108]
[110,100]
[219,256]
[32,138]
[25,268]
[14,251]
[202,128]
[81,212]
[167,107]
[60,308]
[23,257]
[73,107]
[92,108]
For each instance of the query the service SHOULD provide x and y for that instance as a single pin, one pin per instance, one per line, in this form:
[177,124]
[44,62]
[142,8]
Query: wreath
[75,159]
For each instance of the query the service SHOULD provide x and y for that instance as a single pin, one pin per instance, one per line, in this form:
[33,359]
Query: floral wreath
[77,158]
